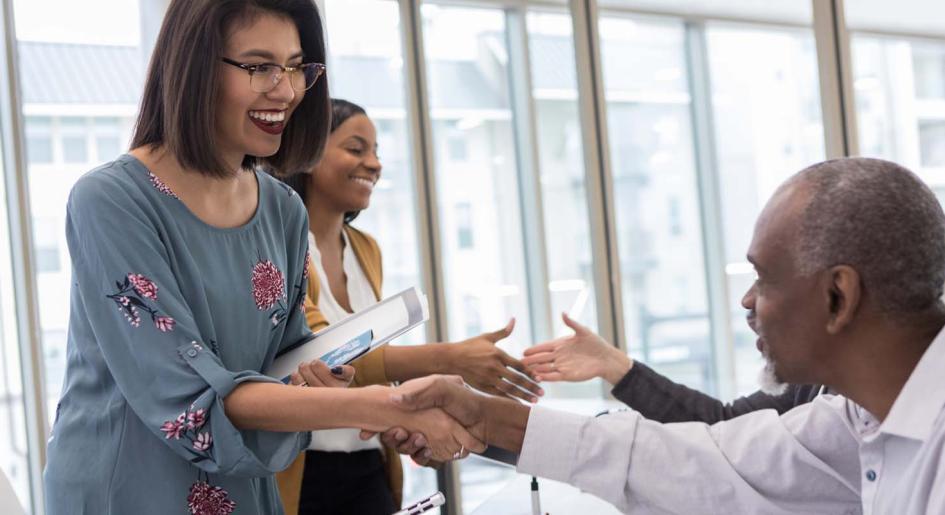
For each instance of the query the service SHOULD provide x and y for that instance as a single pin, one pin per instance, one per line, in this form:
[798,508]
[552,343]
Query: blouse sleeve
[149,340]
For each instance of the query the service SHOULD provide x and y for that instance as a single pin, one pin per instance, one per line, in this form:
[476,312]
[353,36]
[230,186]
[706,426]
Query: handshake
[441,419]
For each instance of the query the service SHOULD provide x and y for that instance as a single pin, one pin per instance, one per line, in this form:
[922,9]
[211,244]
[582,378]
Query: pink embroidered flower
[144,286]
[209,500]
[159,184]
[124,300]
[196,419]
[203,442]
[268,285]
[174,428]
[132,315]
[164,324]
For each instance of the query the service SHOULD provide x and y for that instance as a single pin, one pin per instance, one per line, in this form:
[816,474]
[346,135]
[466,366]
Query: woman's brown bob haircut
[179,106]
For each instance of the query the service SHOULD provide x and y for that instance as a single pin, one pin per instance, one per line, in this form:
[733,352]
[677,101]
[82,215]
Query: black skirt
[345,483]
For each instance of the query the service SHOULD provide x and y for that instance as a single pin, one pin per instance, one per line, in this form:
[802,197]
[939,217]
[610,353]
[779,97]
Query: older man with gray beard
[850,256]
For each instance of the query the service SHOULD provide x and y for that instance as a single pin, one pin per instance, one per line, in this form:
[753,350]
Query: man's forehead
[777,226]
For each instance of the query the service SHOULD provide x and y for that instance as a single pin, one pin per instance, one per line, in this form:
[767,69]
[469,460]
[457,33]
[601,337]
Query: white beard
[770,384]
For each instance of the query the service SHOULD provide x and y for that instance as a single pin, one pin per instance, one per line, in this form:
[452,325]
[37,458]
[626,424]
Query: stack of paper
[357,334]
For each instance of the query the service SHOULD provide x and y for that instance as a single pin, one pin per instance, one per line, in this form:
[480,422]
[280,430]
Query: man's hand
[413,445]
[317,373]
[490,369]
[579,357]
[493,420]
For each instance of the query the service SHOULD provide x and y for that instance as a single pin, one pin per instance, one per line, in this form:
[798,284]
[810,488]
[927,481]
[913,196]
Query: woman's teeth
[268,116]
[366,182]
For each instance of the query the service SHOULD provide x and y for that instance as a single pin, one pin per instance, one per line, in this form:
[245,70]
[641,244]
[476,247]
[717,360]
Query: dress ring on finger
[303,384]
[458,455]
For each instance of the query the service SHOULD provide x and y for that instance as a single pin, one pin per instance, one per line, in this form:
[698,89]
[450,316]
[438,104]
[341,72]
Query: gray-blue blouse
[168,315]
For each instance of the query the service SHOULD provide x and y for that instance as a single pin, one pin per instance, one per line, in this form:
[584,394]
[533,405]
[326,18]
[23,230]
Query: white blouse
[361,296]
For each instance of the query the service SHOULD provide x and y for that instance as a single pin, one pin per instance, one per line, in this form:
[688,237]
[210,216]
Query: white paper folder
[385,321]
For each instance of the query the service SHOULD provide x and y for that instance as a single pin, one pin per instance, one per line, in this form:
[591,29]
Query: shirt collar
[922,398]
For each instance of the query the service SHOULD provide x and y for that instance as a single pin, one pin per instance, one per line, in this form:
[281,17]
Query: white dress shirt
[827,456]
[360,296]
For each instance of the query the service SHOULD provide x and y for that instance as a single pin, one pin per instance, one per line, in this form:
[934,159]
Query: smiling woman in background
[189,275]
[346,277]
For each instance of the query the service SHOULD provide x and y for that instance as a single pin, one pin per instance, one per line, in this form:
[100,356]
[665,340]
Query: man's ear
[844,294]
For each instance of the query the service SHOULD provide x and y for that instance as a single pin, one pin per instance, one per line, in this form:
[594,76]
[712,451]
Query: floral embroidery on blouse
[160,186]
[268,285]
[187,425]
[269,291]
[130,299]
[203,499]
[304,294]
[209,500]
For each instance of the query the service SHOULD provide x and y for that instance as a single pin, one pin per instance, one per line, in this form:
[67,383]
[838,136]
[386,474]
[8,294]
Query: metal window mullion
[425,192]
[598,172]
[525,127]
[710,202]
[836,79]
[24,287]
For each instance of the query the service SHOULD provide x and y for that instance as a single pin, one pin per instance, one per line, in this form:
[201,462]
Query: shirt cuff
[550,444]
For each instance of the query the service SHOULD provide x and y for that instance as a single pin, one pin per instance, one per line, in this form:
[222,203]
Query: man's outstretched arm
[803,462]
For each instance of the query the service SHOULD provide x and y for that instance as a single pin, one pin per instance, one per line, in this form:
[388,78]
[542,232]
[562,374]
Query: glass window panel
[39,149]
[561,172]
[370,46]
[658,224]
[14,459]
[929,64]
[792,11]
[39,144]
[899,87]
[467,70]
[74,149]
[46,240]
[107,146]
[53,36]
[925,17]
[766,109]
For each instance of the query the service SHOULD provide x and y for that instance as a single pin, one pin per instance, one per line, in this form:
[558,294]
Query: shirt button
[871,475]
[193,353]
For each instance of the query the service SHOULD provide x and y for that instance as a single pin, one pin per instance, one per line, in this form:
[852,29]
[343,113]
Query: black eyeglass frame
[251,69]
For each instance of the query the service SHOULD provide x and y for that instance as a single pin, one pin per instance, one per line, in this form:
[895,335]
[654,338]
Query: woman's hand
[579,357]
[413,445]
[488,368]
[317,373]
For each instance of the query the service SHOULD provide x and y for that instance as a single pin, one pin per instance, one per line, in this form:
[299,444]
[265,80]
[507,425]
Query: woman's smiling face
[350,168]
[251,123]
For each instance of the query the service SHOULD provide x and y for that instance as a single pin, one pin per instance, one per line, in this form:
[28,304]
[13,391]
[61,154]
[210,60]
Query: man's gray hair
[880,219]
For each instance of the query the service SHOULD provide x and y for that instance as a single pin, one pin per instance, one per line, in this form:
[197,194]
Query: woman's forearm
[403,363]
[277,407]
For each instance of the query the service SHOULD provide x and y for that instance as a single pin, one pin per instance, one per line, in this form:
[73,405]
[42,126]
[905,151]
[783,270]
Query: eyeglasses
[264,77]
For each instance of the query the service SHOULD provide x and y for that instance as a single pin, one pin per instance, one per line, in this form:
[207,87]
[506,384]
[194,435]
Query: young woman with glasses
[346,276]
[190,277]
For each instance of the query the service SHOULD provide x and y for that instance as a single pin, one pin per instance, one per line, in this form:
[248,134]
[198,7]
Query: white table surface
[556,499]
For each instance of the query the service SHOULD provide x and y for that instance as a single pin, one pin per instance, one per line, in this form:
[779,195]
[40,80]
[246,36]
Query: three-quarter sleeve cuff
[221,380]
[550,444]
